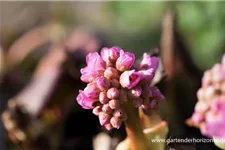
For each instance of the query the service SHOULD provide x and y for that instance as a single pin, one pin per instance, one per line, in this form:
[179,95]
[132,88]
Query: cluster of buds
[112,79]
[209,112]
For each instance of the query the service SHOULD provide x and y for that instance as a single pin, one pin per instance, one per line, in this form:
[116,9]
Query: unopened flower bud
[201,106]
[92,90]
[114,103]
[110,55]
[210,92]
[118,113]
[218,77]
[115,83]
[95,65]
[106,109]
[197,117]
[207,78]
[102,83]
[125,61]
[147,74]
[85,101]
[136,91]
[111,73]
[149,62]
[104,118]
[108,126]
[156,93]
[154,103]
[97,110]
[113,93]
[115,122]
[103,98]
[200,94]
[129,79]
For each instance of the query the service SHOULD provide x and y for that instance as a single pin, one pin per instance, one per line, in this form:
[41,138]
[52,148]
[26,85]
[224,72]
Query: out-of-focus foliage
[200,23]
[138,16]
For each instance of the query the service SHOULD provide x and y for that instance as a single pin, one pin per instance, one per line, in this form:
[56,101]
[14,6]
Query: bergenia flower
[92,90]
[112,79]
[95,66]
[102,83]
[85,101]
[125,61]
[209,112]
[110,55]
[129,79]
[149,62]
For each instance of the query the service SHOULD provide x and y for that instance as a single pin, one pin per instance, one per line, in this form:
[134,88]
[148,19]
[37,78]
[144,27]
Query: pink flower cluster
[112,79]
[209,112]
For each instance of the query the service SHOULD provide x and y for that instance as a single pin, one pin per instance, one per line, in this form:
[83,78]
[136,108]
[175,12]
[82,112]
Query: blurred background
[34,34]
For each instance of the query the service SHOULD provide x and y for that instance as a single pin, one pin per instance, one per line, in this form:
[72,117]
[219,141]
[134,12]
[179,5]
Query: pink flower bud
[111,73]
[110,55]
[95,61]
[104,118]
[129,79]
[88,74]
[209,92]
[113,93]
[102,83]
[201,106]
[106,109]
[207,78]
[97,110]
[92,90]
[95,65]
[115,122]
[149,62]
[136,91]
[200,94]
[118,112]
[108,126]
[103,98]
[125,61]
[147,74]
[114,103]
[197,117]
[85,101]
[156,93]
[115,83]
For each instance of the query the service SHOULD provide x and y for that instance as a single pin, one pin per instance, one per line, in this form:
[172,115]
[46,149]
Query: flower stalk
[134,129]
